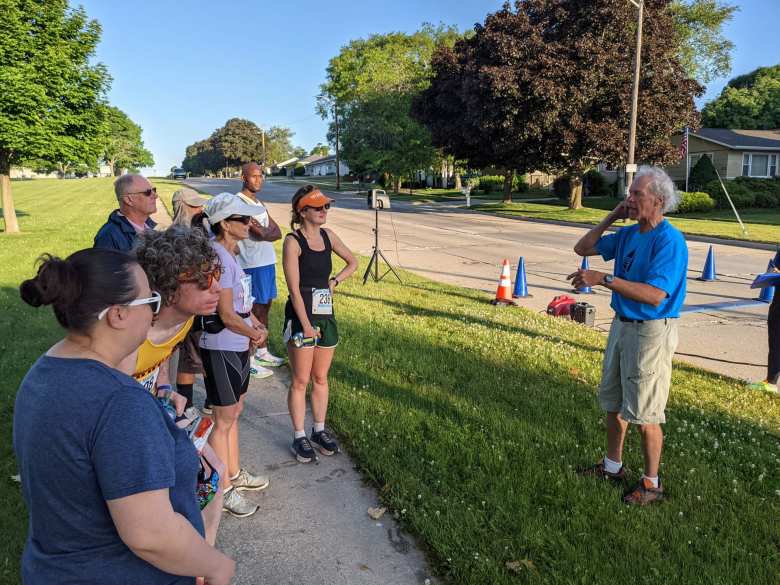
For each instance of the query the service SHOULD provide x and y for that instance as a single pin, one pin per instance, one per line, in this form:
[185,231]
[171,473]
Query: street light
[328,100]
[630,165]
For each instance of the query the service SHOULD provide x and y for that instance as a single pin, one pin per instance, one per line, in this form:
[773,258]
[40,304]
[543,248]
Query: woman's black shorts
[226,375]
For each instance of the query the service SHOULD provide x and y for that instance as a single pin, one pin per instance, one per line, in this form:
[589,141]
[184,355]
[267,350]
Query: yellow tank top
[151,356]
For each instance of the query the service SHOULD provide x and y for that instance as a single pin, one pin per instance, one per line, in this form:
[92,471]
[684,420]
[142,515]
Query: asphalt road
[724,333]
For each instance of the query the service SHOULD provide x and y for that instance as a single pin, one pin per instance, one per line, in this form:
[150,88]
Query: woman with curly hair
[182,267]
[307,263]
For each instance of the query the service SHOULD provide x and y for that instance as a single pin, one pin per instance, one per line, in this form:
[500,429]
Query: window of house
[759,165]
[695,157]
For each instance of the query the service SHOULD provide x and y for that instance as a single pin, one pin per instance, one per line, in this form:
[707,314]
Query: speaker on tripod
[378,199]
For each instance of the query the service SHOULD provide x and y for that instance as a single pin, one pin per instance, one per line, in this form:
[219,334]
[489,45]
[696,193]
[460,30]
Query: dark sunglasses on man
[147,193]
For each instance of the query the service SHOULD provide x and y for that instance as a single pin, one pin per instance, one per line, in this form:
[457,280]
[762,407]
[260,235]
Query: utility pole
[631,166]
[262,133]
[338,163]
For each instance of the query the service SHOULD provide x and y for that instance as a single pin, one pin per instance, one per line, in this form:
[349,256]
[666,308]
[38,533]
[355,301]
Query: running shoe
[206,410]
[248,481]
[266,359]
[303,450]
[259,372]
[237,505]
[325,442]
[763,386]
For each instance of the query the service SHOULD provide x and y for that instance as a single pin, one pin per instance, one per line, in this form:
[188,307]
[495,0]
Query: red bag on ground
[561,306]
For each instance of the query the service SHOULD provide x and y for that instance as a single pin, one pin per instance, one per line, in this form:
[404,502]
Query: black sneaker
[303,450]
[325,442]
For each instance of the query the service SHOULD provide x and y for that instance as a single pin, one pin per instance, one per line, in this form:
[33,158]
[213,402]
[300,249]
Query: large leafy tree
[237,142]
[122,143]
[370,84]
[547,86]
[749,102]
[703,50]
[50,91]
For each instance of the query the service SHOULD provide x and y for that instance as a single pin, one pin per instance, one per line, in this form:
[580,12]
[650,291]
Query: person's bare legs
[225,417]
[301,364]
[616,435]
[319,375]
[234,460]
[652,445]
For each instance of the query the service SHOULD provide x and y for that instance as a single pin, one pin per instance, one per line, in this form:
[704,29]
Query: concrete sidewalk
[313,526]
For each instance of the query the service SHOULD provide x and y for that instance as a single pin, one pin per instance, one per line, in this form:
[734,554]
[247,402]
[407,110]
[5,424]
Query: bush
[767,191]
[299,171]
[702,173]
[495,183]
[596,184]
[740,195]
[694,202]
[562,187]
[767,199]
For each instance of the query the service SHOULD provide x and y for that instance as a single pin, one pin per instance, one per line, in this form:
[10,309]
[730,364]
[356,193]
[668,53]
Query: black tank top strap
[326,239]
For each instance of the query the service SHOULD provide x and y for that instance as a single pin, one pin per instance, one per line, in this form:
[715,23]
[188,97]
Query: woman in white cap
[309,316]
[225,345]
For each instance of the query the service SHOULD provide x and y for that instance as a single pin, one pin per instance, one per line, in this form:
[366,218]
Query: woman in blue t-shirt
[108,478]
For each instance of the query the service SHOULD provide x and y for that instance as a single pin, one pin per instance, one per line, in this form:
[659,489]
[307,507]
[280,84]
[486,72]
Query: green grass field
[763,225]
[470,421]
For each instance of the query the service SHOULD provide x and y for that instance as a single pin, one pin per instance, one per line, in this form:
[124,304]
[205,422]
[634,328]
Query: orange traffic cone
[504,292]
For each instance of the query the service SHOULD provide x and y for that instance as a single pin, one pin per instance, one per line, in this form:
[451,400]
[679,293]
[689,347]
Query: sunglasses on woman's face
[245,219]
[320,208]
[155,301]
[205,279]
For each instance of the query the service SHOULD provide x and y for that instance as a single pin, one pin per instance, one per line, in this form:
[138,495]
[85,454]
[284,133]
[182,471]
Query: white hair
[660,184]
[122,184]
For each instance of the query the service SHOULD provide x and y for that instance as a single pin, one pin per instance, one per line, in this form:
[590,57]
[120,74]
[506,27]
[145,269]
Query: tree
[122,144]
[320,149]
[702,49]
[51,91]
[547,86]
[371,83]
[239,141]
[702,173]
[748,102]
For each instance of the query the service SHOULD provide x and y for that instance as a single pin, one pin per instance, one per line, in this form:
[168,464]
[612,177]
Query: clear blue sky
[181,69]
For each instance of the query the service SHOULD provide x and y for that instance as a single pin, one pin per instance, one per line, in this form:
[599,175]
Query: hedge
[695,201]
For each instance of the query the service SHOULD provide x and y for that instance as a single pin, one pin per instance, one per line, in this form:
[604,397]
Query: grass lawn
[763,225]
[470,421]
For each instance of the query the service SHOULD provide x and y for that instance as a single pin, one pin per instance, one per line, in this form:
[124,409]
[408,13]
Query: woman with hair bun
[108,478]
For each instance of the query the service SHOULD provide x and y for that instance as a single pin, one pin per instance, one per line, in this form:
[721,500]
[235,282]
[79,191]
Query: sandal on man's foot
[600,471]
[644,493]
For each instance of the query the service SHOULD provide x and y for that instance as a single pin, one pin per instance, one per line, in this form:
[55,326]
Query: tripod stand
[374,262]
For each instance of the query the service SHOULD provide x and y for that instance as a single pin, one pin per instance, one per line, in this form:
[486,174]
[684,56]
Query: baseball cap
[226,204]
[313,199]
[190,197]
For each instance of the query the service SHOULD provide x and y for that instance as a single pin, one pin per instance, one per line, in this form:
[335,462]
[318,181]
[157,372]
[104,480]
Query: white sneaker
[258,371]
[237,506]
[265,358]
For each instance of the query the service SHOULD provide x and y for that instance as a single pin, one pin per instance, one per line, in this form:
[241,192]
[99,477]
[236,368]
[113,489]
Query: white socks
[653,480]
[612,466]
[299,434]
[319,427]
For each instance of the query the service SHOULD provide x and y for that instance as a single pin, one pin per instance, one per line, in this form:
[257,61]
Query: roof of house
[287,162]
[741,139]
[311,159]
[325,159]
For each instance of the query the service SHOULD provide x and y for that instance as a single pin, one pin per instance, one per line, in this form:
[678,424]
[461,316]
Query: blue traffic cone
[521,284]
[768,293]
[586,290]
[708,274]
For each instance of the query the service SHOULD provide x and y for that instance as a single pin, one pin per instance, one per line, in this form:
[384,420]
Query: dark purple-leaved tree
[546,85]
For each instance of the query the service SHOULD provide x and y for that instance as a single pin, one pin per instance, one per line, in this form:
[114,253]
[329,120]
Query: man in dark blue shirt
[137,202]
[769,384]
[648,289]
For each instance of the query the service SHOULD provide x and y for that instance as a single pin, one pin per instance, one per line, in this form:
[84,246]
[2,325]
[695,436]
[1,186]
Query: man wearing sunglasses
[137,200]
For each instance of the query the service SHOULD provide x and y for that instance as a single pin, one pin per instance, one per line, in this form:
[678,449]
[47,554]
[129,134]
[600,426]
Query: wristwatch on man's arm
[607,280]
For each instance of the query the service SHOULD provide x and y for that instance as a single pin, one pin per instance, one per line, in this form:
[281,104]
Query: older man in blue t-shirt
[648,289]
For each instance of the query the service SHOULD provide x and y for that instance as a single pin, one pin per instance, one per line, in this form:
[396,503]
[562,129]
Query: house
[734,153]
[325,165]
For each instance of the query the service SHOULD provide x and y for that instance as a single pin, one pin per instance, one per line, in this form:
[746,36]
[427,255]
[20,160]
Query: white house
[325,165]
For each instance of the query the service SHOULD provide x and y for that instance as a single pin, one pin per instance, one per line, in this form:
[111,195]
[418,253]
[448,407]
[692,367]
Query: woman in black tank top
[309,319]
